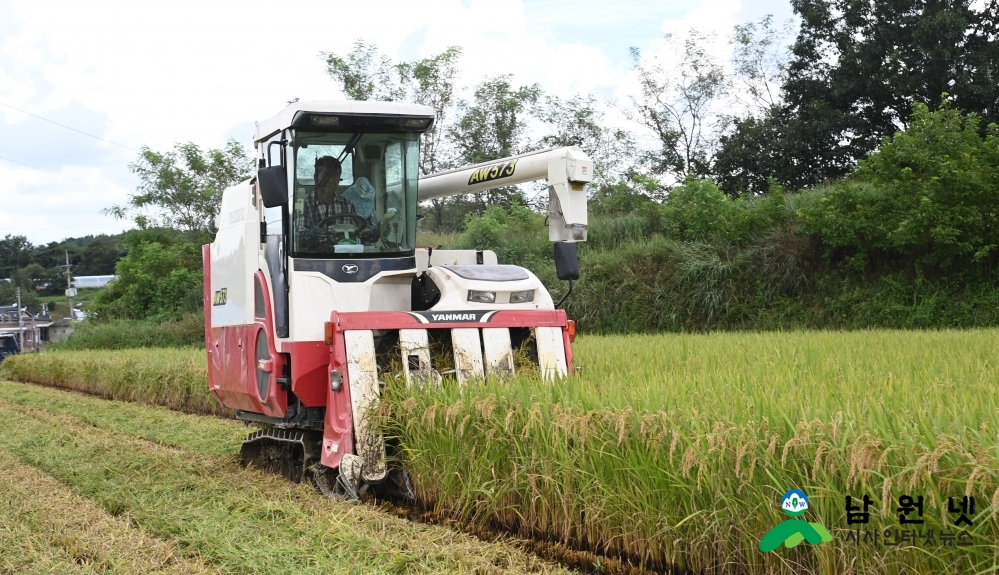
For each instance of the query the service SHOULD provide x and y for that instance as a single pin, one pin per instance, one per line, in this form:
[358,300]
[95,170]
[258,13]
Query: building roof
[283,119]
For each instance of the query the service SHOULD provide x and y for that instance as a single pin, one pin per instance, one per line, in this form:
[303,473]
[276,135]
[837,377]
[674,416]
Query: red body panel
[310,370]
[232,362]
[338,427]
[403,320]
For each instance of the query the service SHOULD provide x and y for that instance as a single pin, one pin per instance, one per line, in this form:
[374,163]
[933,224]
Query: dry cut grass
[49,529]
[206,507]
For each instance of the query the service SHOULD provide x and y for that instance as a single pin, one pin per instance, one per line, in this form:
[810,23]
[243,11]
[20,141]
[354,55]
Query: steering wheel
[357,223]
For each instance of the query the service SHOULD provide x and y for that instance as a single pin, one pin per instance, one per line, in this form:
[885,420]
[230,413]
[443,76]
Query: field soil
[96,486]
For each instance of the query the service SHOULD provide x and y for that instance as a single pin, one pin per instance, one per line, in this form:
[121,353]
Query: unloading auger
[314,287]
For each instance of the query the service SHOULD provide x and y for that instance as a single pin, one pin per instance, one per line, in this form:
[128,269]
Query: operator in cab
[339,217]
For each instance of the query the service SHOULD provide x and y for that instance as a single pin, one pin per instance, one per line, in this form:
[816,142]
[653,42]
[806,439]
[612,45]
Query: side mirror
[273,184]
[566,261]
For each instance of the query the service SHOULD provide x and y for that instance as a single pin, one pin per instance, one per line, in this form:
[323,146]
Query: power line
[56,174]
[68,128]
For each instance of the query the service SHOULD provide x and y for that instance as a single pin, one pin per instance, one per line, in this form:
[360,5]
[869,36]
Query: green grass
[188,331]
[675,449]
[179,494]
[45,528]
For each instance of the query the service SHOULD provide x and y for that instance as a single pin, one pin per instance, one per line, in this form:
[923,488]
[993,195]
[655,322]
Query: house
[60,330]
[33,328]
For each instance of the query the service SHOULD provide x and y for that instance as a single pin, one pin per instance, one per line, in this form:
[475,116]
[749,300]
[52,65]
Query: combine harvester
[314,286]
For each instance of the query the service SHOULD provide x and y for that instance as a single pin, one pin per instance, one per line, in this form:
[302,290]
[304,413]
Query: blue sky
[155,73]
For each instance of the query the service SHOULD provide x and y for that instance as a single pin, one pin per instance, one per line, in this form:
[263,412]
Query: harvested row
[216,514]
[51,530]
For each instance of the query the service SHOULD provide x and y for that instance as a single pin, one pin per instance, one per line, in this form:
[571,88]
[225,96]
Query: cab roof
[285,117]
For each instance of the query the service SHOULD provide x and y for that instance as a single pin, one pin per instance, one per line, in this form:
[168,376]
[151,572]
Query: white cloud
[156,73]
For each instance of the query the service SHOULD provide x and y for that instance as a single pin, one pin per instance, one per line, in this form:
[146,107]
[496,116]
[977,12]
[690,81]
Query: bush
[928,194]
[188,331]
[698,210]
[515,233]
[161,277]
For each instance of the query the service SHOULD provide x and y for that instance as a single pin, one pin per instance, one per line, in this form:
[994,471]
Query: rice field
[674,450]
[172,377]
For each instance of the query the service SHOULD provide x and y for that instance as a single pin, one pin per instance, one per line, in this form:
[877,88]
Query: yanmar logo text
[458,316]
[453,317]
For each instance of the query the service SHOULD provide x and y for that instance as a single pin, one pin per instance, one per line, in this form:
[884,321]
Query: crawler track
[284,452]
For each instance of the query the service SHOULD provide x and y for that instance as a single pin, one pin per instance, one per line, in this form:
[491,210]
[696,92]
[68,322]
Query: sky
[155,73]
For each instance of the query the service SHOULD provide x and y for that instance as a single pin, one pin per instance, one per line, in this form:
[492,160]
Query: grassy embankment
[676,448]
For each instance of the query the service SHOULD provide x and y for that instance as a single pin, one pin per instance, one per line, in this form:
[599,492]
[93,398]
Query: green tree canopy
[183,186]
[856,69]
[928,193]
[159,278]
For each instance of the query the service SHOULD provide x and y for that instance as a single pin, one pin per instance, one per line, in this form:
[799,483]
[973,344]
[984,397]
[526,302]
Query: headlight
[316,120]
[482,296]
[522,296]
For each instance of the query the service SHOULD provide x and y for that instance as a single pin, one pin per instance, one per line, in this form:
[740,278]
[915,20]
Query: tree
[161,277]
[678,104]
[433,85]
[493,125]
[579,122]
[183,185]
[367,74]
[759,61]
[15,252]
[99,256]
[929,193]
[858,67]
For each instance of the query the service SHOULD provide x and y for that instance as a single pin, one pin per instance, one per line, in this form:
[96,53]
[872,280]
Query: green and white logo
[793,531]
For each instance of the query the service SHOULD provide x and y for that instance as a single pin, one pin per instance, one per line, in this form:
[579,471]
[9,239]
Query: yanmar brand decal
[493,172]
[452,316]
[221,296]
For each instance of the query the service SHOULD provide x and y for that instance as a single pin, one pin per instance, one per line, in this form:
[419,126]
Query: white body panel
[234,255]
[551,353]
[313,296]
[498,352]
[568,171]
[415,343]
[454,291]
[453,257]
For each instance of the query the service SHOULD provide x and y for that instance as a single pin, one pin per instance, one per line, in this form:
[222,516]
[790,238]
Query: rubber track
[285,452]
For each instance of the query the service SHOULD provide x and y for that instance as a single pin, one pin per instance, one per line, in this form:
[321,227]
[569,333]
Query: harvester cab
[316,294]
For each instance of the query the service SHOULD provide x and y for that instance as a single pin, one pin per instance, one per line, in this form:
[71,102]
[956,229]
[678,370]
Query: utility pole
[20,321]
[70,292]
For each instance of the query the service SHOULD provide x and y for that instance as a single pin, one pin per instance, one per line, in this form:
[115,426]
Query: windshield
[356,200]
